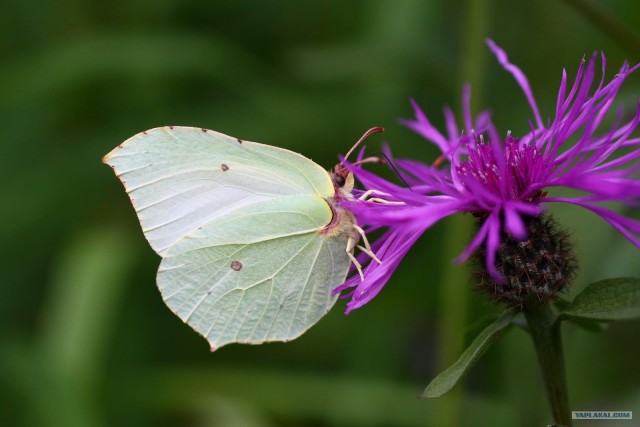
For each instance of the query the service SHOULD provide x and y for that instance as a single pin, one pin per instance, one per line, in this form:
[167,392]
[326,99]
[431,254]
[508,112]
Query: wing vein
[271,277]
[315,259]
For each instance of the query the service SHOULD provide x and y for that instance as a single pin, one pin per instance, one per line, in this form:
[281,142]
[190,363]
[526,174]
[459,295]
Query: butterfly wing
[179,178]
[238,225]
[260,273]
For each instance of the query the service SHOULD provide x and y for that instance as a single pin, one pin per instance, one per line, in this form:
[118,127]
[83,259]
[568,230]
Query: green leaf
[586,324]
[471,331]
[450,377]
[607,300]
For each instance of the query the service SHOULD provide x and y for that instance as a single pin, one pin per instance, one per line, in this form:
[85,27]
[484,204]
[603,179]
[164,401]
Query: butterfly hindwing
[261,273]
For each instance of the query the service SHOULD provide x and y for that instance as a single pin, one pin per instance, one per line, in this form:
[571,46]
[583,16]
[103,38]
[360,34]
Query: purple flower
[503,181]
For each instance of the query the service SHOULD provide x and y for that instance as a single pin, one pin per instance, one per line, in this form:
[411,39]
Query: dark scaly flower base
[536,270]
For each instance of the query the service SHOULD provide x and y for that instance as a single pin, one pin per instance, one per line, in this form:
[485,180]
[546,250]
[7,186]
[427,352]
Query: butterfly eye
[339,180]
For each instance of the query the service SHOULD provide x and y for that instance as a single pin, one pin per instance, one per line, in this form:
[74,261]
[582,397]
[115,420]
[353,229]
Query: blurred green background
[85,339]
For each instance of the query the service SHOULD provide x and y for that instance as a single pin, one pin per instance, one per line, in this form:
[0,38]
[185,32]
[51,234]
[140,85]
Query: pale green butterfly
[251,237]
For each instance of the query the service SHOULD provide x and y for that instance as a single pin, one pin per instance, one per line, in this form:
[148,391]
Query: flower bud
[536,269]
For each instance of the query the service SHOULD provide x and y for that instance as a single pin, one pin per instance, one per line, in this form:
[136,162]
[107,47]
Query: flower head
[503,182]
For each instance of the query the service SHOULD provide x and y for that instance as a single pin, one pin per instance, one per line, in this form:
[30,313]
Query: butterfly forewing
[180,178]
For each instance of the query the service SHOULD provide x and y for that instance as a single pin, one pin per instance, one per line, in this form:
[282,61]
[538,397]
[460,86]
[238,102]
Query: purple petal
[513,223]
[476,242]
[466,108]
[493,244]
[628,227]
[423,127]
[522,80]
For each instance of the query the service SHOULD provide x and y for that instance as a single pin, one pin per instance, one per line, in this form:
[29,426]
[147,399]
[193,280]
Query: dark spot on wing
[144,132]
[236,265]
[171,127]
[204,130]
[239,140]
[224,167]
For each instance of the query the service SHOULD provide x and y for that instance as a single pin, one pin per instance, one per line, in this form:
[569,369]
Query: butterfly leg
[351,244]
[365,197]
[368,193]
[367,247]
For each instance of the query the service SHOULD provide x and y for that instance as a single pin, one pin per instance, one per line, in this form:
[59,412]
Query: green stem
[545,332]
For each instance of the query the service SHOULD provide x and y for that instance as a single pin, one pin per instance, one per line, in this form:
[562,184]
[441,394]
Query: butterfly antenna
[393,167]
[362,138]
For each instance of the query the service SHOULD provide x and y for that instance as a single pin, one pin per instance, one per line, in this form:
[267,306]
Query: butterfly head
[343,181]
[341,177]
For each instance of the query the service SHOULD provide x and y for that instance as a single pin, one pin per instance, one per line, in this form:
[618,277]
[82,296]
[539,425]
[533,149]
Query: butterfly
[252,237]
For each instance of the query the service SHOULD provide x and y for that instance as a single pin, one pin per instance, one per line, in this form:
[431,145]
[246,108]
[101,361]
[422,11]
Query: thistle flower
[503,182]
